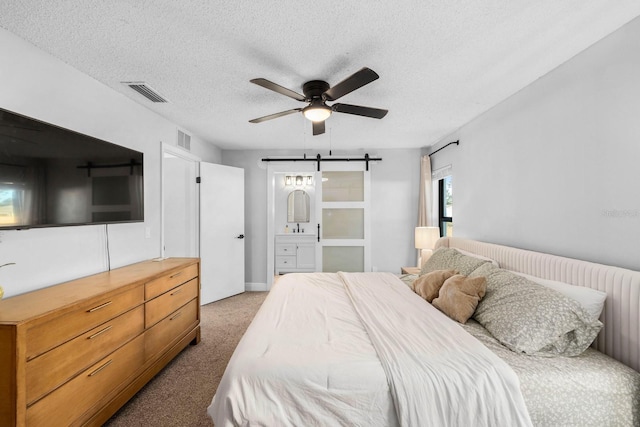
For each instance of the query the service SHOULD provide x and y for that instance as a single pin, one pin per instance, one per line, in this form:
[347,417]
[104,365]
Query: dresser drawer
[161,285]
[55,367]
[160,307]
[54,332]
[164,333]
[102,379]
[283,262]
[286,249]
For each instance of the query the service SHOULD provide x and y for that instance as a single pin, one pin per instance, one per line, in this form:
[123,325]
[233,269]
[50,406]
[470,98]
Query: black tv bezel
[87,223]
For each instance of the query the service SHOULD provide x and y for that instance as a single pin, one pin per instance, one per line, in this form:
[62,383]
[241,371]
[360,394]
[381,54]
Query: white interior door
[221,231]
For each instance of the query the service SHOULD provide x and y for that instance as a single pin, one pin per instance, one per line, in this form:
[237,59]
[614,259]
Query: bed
[366,349]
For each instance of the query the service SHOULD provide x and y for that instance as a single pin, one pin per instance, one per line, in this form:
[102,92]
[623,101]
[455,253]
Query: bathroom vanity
[295,253]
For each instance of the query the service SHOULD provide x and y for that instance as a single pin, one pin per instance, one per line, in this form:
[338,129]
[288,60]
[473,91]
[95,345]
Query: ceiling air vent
[145,90]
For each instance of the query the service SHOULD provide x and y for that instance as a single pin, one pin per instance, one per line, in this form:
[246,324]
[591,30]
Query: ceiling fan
[318,92]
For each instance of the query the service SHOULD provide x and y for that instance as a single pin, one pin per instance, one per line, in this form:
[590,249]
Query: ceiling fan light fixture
[317,112]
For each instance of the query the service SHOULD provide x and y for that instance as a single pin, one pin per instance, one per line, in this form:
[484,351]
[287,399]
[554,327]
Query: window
[445,206]
[8,206]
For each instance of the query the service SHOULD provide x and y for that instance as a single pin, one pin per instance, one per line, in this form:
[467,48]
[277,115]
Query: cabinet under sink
[295,253]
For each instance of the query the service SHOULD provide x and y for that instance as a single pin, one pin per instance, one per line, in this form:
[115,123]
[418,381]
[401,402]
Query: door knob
[240,236]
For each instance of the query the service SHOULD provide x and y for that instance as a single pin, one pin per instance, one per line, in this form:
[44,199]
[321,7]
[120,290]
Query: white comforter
[361,349]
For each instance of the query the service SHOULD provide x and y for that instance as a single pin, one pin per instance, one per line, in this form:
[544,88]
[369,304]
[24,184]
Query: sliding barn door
[343,211]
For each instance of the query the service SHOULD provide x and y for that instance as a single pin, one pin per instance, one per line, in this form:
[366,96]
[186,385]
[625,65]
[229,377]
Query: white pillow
[492,261]
[590,299]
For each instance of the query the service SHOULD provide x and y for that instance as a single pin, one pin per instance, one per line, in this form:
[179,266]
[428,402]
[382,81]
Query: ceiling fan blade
[374,113]
[318,128]
[351,83]
[277,88]
[12,138]
[275,116]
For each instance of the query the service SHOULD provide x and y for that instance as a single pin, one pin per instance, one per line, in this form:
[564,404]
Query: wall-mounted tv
[50,176]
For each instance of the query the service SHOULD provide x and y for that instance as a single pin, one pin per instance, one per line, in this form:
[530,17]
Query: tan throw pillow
[428,285]
[459,296]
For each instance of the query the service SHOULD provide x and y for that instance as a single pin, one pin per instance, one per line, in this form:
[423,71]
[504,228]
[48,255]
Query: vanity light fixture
[298,180]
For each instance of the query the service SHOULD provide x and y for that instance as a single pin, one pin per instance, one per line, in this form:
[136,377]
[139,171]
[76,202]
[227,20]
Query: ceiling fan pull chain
[304,135]
[330,140]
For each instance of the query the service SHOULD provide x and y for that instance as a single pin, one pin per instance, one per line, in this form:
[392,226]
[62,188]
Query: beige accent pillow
[459,296]
[428,285]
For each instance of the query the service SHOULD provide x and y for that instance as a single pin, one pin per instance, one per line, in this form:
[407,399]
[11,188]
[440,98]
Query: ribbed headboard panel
[620,337]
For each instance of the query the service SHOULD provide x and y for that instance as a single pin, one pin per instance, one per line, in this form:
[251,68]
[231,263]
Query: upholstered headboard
[620,336]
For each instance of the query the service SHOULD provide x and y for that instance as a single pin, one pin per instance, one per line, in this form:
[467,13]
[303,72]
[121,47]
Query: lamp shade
[426,237]
[316,113]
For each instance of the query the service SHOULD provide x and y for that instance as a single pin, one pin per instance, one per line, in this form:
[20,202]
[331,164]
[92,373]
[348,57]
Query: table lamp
[425,239]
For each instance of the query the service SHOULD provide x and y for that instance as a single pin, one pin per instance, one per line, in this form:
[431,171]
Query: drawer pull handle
[175,316]
[101,368]
[177,291]
[176,275]
[91,310]
[100,332]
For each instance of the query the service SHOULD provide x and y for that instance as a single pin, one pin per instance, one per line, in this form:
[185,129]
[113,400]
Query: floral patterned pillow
[532,319]
[449,258]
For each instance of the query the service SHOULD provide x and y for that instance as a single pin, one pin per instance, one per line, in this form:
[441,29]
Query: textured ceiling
[441,63]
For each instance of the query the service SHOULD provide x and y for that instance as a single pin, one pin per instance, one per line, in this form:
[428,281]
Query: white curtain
[425,198]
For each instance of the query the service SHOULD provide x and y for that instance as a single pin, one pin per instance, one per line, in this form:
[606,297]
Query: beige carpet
[180,394]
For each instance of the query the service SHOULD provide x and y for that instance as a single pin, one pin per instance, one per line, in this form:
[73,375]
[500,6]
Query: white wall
[394,184]
[35,84]
[555,167]
[394,206]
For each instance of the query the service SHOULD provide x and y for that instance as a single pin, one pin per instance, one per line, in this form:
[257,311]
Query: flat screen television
[51,176]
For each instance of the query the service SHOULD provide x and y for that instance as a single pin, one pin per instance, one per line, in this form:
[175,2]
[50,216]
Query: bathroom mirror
[298,206]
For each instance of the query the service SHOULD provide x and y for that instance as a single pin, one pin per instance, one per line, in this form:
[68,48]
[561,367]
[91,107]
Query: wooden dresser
[73,353]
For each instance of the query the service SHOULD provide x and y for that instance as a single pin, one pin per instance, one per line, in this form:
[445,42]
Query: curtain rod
[445,146]
[319,159]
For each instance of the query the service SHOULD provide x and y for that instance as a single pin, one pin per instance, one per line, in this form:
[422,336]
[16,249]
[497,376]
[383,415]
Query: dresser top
[38,303]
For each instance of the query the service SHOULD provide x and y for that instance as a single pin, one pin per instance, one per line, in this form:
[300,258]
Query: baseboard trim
[255,287]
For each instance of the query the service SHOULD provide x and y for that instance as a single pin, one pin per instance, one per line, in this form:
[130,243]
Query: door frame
[274,168]
[187,156]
